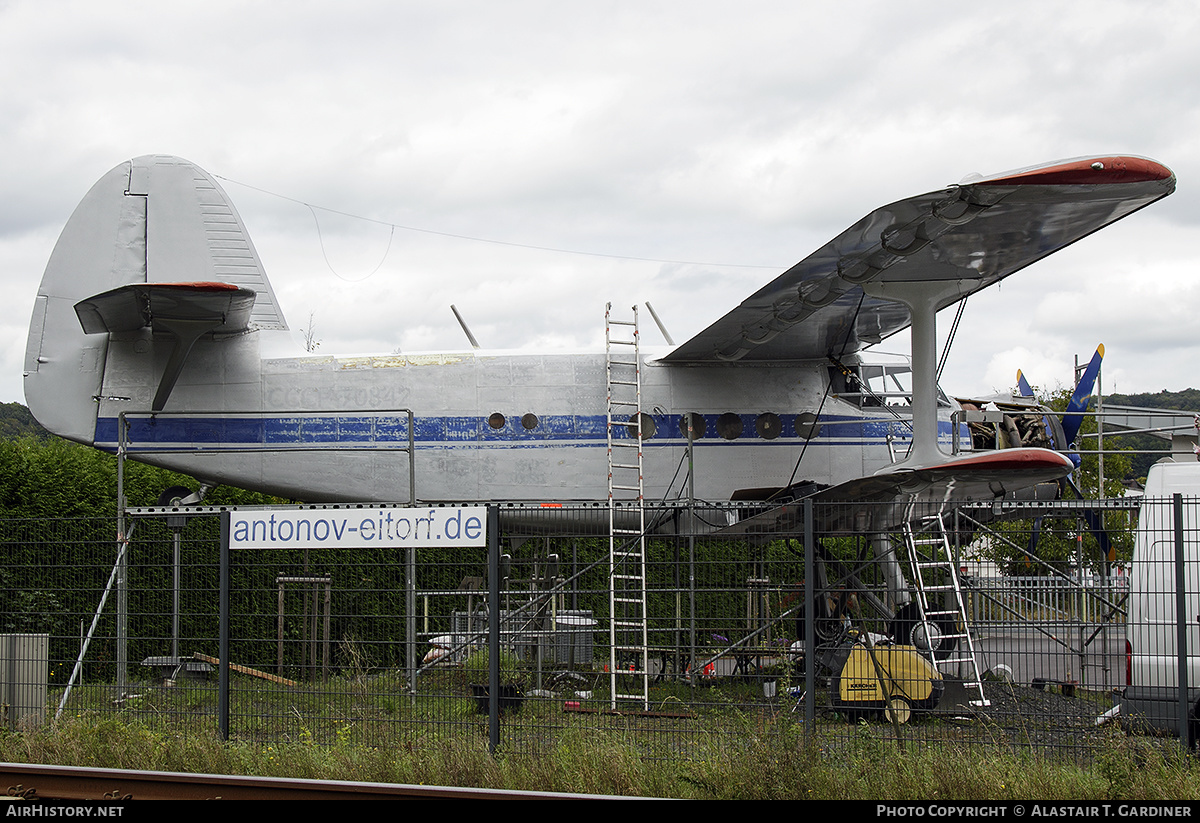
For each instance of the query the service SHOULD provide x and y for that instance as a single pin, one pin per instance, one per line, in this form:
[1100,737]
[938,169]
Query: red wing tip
[1010,460]
[199,285]
[1086,171]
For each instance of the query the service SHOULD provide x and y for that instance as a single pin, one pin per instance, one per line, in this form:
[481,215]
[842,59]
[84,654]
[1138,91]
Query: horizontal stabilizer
[220,307]
[183,311]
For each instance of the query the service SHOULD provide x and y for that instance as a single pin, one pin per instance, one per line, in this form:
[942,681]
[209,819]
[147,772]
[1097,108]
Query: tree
[311,343]
[51,477]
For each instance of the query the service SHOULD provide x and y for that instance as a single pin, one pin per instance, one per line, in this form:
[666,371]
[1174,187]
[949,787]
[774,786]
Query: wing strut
[922,298]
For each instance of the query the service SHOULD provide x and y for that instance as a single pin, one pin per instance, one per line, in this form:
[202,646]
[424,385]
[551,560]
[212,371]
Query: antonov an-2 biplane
[154,300]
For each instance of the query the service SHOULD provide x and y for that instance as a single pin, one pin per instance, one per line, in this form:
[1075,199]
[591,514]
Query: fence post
[223,632]
[1181,623]
[810,619]
[122,569]
[410,621]
[493,532]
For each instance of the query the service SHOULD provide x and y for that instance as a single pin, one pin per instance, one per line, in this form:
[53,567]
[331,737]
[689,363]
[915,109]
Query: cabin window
[768,425]
[729,426]
[806,426]
[648,427]
[846,382]
[699,425]
[496,421]
[529,421]
[886,385]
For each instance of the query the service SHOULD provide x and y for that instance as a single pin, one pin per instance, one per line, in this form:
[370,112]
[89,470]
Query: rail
[34,783]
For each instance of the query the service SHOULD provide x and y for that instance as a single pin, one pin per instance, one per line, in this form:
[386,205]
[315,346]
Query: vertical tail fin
[153,219]
[1073,419]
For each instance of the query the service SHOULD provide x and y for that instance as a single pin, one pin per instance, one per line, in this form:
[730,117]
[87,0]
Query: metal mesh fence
[982,625]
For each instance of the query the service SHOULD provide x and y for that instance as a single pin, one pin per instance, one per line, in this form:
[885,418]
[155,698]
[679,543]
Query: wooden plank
[246,670]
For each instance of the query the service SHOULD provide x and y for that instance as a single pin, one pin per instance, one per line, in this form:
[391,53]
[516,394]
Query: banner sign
[365,528]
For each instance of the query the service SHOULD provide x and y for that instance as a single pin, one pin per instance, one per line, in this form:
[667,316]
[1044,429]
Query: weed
[766,758]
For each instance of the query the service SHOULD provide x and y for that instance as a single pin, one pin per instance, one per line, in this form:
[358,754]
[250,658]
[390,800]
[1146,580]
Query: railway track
[38,783]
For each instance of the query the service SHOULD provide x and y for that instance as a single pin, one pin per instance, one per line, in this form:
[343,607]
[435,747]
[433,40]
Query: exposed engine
[1021,424]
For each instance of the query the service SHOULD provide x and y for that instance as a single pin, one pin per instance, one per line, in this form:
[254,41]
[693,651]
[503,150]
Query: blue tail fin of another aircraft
[1073,418]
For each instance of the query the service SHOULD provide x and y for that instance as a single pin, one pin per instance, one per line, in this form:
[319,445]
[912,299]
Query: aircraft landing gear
[183,496]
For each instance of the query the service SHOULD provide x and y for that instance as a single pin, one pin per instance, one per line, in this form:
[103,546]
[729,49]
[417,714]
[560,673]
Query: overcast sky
[682,153]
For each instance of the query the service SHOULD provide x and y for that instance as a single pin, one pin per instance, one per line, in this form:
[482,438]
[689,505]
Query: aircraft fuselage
[487,426]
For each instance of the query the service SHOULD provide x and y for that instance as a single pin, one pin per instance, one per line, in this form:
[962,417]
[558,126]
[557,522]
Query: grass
[722,740]
[763,762]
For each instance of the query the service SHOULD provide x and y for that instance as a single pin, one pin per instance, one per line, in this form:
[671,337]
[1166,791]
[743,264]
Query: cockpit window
[875,385]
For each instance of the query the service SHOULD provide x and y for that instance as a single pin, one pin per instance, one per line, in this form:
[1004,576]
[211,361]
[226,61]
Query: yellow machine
[886,678]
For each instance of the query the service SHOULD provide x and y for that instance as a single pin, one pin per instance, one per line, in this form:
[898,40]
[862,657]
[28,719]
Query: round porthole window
[768,425]
[529,421]
[807,426]
[729,426]
[699,425]
[648,427]
[496,420]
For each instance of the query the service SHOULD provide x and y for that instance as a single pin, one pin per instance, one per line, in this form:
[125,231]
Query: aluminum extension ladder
[629,676]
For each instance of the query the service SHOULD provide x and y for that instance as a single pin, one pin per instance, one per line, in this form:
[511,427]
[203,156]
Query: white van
[1151,695]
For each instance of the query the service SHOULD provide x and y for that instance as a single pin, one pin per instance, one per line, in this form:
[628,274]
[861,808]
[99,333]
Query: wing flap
[977,232]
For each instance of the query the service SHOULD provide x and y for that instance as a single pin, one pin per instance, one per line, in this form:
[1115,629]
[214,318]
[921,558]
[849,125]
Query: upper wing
[979,232]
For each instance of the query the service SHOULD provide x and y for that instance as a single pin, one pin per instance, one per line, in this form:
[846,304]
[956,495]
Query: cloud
[700,133]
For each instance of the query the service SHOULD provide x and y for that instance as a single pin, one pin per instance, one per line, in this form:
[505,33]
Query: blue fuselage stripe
[365,430]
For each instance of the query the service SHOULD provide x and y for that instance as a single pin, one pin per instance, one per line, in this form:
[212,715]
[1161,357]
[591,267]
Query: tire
[907,629]
[172,495]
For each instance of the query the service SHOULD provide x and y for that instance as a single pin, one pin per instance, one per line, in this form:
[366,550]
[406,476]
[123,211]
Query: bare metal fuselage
[487,426]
